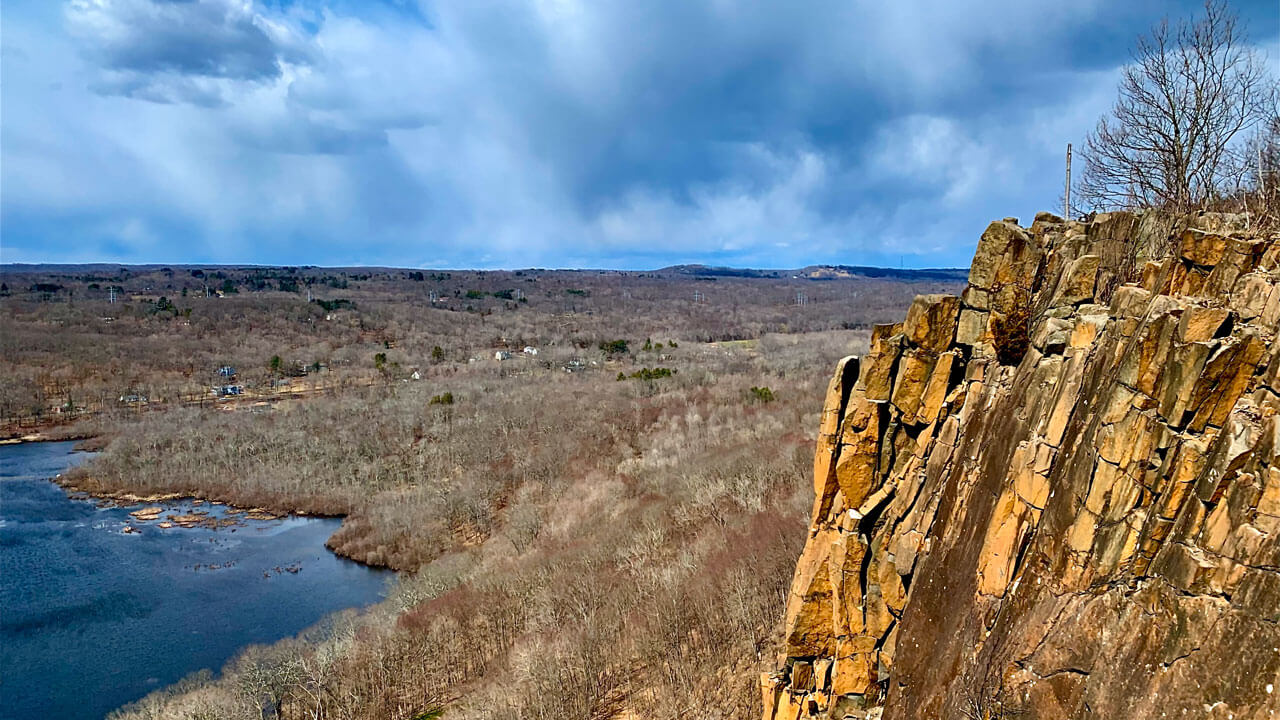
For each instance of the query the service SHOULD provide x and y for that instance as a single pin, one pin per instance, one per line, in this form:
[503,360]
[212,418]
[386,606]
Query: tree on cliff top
[1190,92]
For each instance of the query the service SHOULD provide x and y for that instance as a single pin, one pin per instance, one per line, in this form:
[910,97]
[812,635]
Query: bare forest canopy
[98,337]
[594,483]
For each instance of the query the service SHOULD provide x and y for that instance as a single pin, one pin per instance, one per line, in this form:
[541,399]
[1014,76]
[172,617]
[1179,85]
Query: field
[607,525]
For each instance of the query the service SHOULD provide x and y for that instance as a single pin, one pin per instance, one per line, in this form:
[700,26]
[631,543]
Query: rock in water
[1092,532]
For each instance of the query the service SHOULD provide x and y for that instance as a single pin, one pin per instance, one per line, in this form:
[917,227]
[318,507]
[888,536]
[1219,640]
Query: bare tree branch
[1188,96]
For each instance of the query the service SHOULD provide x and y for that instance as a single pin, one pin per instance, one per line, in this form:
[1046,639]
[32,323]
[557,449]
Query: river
[93,617]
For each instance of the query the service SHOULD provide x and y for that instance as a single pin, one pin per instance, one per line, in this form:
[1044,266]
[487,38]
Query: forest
[593,484]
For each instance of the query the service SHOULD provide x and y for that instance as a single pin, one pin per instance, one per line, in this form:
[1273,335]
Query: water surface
[92,617]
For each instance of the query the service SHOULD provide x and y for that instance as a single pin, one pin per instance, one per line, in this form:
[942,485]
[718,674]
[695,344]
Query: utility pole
[1066,192]
[1262,180]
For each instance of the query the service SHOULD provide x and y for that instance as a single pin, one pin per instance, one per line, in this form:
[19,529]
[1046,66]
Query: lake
[93,617]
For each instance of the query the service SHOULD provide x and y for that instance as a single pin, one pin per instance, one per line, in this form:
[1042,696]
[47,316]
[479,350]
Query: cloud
[542,132]
[182,50]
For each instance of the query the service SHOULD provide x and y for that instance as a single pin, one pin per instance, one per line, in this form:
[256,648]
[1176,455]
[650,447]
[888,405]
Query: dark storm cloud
[163,50]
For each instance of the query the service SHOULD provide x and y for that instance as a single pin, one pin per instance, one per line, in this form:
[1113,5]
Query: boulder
[975,298]
[914,373]
[876,377]
[859,455]
[935,391]
[1078,280]
[1202,248]
[1250,296]
[1002,245]
[931,321]
[1199,324]
[971,329]
[824,458]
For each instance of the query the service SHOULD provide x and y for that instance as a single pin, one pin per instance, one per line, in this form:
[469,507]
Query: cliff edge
[1058,495]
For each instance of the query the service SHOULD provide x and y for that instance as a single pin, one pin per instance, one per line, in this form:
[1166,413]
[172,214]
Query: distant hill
[826,272]
[812,272]
[709,271]
[830,272]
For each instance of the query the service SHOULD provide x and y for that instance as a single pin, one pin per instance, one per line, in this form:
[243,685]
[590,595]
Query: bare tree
[1189,92]
[1267,150]
[1257,167]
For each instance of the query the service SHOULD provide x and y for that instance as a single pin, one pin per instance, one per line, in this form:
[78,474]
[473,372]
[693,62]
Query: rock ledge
[1092,532]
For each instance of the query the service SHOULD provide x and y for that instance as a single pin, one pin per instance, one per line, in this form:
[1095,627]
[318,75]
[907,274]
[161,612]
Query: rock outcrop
[1058,495]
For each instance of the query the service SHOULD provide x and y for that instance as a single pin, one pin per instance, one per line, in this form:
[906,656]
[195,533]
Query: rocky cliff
[1058,495]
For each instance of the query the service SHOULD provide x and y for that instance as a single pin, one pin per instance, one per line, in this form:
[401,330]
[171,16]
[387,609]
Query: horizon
[545,134]
[55,266]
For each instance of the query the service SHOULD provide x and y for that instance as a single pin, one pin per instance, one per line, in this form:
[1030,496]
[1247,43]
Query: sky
[547,133]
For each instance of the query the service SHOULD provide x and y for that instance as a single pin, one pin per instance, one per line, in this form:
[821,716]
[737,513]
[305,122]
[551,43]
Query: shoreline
[19,431]
[40,437]
[81,481]
[124,498]
[159,557]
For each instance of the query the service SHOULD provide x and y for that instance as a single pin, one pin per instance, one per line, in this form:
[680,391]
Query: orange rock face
[1093,532]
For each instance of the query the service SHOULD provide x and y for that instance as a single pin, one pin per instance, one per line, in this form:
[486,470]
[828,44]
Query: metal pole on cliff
[1066,193]
[1262,180]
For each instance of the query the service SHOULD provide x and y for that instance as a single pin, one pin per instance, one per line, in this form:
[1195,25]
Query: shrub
[614,347]
[1011,323]
[335,304]
[649,374]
